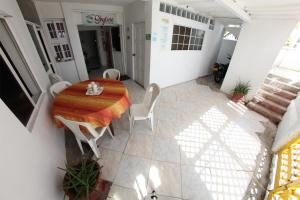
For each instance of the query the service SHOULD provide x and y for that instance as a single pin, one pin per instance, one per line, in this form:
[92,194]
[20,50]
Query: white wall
[172,67]
[259,43]
[29,161]
[226,50]
[289,127]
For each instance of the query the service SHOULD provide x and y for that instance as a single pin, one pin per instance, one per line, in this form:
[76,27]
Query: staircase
[275,96]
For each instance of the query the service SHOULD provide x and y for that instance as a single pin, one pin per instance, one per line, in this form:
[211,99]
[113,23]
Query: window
[185,38]
[162,7]
[197,37]
[67,51]
[181,38]
[181,12]
[18,87]
[59,40]
[168,8]
[200,18]
[60,29]
[174,10]
[193,16]
[188,15]
[58,52]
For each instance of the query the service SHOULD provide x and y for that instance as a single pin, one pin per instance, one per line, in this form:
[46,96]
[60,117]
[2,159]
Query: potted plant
[240,90]
[82,181]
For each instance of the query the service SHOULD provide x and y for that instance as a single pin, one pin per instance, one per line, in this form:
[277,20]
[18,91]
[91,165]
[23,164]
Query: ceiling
[108,2]
[272,8]
[255,8]
[209,7]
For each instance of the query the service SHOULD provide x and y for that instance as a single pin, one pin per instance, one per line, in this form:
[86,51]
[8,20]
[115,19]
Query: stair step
[272,116]
[279,77]
[271,105]
[279,91]
[282,85]
[273,97]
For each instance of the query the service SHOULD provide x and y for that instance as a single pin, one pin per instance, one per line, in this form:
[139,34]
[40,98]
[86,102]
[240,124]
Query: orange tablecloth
[72,103]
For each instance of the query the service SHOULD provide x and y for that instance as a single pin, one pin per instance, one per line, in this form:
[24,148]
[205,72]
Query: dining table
[99,110]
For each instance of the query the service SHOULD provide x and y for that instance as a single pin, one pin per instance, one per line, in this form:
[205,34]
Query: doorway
[138,53]
[101,47]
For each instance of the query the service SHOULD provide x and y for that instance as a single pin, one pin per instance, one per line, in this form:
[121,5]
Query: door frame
[44,49]
[133,50]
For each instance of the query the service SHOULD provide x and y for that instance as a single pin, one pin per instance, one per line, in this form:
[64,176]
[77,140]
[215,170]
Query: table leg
[112,128]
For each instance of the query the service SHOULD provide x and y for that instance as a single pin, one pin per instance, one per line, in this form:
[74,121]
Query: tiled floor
[203,147]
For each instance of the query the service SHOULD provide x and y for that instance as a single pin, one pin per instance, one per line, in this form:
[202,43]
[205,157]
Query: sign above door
[92,19]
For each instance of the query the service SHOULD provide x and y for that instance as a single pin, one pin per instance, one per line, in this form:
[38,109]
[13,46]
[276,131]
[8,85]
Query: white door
[138,53]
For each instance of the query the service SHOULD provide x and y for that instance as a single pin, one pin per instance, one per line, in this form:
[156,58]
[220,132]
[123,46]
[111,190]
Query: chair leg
[152,122]
[80,145]
[94,147]
[130,124]
[112,136]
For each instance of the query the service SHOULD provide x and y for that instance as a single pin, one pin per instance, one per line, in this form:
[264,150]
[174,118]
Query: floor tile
[133,172]
[166,150]
[110,160]
[160,197]
[120,193]
[165,179]
[122,123]
[143,127]
[168,129]
[244,145]
[140,145]
[118,143]
[210,184]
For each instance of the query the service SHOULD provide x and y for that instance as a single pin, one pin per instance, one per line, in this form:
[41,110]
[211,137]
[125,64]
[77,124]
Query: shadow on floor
[73,152]
[210,82]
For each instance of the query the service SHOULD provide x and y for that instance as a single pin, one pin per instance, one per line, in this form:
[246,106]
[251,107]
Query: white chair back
[56,88]
[151,96]
[74,126]
[55,78]
[112,74]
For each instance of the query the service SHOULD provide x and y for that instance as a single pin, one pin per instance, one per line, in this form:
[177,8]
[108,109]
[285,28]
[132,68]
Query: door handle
[133,54]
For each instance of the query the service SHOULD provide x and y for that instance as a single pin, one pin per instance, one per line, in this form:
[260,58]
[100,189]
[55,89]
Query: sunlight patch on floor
[140,186]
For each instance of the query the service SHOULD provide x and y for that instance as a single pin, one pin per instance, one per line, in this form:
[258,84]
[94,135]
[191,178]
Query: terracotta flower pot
[237,97]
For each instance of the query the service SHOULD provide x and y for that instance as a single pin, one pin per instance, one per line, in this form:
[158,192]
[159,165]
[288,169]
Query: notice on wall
[164,31]
[93,19]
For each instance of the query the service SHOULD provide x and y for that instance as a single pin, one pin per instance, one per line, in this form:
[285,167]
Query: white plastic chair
[95,134]
[55,78]
[144,110]
[56,88]
[112,74]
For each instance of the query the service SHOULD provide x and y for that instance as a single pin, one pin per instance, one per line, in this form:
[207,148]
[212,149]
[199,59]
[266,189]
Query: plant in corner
[240,90]
[82,181]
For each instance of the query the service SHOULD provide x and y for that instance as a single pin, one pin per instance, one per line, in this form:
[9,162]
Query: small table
[73,103]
